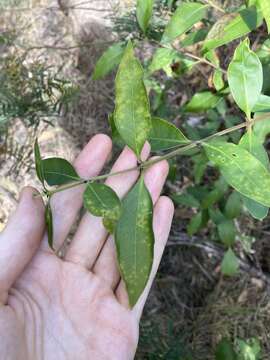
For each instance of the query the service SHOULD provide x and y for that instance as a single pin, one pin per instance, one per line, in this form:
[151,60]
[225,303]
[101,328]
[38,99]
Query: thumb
[20,239]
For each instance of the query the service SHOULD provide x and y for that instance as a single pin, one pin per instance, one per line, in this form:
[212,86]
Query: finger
[163,214]
[20,239]
[66,204]
[91,233]
[106,266]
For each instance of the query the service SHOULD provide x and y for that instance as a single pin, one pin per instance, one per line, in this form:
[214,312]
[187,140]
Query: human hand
[76,307]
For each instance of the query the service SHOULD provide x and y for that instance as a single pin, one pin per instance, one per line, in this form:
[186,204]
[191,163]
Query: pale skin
[76,307]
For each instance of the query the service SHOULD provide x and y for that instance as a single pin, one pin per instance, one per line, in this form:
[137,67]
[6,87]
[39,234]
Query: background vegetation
[194,311]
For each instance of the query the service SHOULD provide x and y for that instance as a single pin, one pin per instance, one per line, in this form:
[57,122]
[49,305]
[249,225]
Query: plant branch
[215,6]
[190,55]
[167,156]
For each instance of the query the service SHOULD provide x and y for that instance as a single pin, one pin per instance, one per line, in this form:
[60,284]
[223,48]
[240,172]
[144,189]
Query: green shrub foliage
[182,37]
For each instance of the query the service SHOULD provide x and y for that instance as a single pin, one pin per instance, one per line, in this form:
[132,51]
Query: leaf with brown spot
[134,239]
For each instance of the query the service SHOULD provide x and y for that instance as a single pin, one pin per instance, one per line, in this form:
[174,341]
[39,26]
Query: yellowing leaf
[232,26]
[241,170]
[101,200]
[135,240]
[251,143]
[132,111]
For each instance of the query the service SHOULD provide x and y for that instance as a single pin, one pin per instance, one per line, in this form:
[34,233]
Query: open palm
[76,307]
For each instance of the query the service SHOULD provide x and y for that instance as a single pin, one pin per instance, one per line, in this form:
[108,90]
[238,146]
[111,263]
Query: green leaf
[194,37]
[227,232]
[230,263]
[256,210]
[200,165]
[233,205]
[163,58]
[248,350]
[38,162]
[262,104]
[250,142]
[197,222]
[132,110]
[58,171]
[202,101]
[265,7]
[164,135]
[233,26]
[216,194]
[101,200]
[225,350]
[134,239]
[241,170]
[109,60]
[115,134]
[144,10]
[185,199]
[245,77]
[185,16]
[49,224]
[261,128]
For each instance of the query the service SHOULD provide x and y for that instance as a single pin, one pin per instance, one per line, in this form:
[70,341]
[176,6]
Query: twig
[215,6]
[145,165]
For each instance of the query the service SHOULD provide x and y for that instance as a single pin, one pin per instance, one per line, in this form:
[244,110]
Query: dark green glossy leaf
[134,239]
[109,60]
[227,232]
[49,224]
[202,101]
[144,11]
[164,135]
[38,162]
[250,142]
[241,170]
[262,104]
[230,263]
[265,7]
[101,200]
[132,111]
[233,205]
[185,16]
[225,351]
[58,171]
[233,26]
[245,76]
